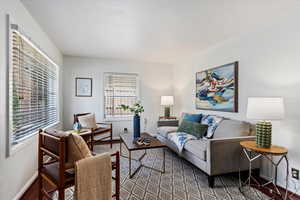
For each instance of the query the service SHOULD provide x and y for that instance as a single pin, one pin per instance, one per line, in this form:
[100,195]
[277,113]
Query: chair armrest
[224,155]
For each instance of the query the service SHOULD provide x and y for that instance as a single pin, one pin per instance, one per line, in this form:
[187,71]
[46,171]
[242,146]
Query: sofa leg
[211,181]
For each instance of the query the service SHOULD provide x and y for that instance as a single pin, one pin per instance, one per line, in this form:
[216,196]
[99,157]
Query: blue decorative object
[136,127]
[193,117]
[77,127]
[137,109]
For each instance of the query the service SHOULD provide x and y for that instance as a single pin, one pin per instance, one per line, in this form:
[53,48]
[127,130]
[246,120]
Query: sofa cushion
[197,147]
[232,128]
[165,130]
[213,122]
[192,117]
[193,128]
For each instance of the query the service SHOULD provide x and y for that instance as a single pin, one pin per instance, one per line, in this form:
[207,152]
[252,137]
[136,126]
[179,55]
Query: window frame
[11,148]
[127,118]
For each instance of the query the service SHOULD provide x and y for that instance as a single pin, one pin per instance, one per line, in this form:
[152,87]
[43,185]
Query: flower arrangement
[137,108]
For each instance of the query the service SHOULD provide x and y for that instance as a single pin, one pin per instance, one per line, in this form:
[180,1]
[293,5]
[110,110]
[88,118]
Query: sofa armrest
[224,155]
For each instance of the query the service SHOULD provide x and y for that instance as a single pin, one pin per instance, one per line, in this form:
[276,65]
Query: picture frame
[83,87]
[217,88]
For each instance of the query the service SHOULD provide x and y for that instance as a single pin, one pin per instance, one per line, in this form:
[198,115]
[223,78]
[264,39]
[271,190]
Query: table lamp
[265,109]
[167,101]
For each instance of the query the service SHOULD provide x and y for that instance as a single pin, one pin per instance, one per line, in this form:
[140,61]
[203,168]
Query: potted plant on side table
[136,109]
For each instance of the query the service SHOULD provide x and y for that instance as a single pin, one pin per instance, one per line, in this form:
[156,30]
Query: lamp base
[167,111]
[264,134]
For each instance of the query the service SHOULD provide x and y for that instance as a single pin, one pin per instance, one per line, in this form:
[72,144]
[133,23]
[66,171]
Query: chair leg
[61,194]
[92,141]
[117,176]
[92,145]
[111,142]
[211,181]
[40,185]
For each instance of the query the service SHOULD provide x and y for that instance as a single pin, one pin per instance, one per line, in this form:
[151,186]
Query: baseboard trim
[26,186]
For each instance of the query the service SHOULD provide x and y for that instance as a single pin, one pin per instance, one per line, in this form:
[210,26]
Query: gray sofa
[219,155]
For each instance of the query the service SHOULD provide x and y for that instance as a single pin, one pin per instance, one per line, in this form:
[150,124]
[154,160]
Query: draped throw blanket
[93,178]
[180,138]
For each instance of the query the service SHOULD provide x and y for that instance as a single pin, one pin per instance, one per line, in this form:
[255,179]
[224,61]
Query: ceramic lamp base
[167,111]
[264,134]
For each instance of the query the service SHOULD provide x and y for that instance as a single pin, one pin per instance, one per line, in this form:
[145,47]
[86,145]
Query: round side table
[252,152]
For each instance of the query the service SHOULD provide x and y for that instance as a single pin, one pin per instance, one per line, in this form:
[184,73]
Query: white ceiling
[151,30]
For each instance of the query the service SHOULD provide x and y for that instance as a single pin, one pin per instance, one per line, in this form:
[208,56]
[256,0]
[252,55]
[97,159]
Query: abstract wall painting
[217,88]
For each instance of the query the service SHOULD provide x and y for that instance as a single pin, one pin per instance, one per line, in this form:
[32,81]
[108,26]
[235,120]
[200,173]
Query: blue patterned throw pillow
[192,117]
[213,122]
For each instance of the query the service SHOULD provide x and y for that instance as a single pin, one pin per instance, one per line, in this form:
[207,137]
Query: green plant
[137,108]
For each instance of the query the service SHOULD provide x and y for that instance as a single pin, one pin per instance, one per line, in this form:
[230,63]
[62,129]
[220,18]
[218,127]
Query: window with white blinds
[119,88]
[32,89]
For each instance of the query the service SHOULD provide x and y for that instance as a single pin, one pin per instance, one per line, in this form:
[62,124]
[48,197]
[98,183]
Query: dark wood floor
[32,192]
[270,194]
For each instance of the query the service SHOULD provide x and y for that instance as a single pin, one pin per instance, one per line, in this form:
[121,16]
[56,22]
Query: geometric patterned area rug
[181,181]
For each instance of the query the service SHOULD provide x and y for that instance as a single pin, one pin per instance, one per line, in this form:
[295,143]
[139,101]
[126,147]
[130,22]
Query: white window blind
[32,89]
[119,88]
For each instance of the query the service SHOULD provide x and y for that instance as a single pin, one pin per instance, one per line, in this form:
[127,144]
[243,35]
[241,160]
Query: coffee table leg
[130,173]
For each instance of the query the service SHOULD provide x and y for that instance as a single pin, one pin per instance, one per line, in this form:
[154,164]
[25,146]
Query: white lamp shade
[268,108]
[167,100]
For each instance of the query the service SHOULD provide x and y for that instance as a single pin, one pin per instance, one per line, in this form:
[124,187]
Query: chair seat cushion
[52,171]
[197,147]
[165,130]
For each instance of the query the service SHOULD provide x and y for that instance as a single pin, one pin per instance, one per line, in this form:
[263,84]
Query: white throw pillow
[88,121]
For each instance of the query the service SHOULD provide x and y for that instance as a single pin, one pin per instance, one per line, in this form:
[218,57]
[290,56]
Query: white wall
[17,169]
[269,65]
[155,80]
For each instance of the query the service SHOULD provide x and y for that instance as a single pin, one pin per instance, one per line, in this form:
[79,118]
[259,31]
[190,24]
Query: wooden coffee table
[131,146]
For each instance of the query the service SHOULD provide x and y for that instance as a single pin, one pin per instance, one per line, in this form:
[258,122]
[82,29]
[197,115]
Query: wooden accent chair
[56,171]
[101,130]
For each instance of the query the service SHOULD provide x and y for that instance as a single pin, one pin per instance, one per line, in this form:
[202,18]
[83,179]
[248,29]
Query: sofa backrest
[229,128]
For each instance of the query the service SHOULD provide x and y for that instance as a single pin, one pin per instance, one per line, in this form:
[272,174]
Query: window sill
[116,119]
[18,147]
[27,141]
